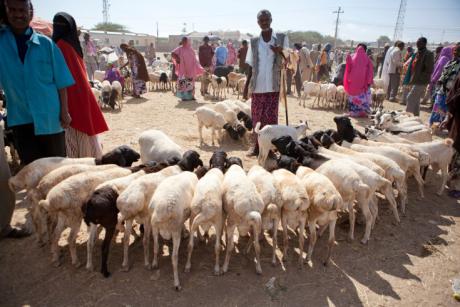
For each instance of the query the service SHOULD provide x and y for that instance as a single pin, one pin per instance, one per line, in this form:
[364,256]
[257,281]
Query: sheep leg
[388,192]
[256,229]
[230,244]
[285,237]
[331,241]
[74,228]
[146,243]
[420,182]
[90,246]
[364,205]
[374,209]
[175,258]
[218,226]
[200,132]
[55,241]
[444,174]
[193,228]
[402,194]
[109,232]
[213,132]
[156,246]
[351,217]
[128,229]
[313,237]
[301,240]
[275,239]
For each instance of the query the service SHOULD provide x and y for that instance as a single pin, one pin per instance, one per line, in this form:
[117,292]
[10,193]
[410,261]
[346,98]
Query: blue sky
[363,20]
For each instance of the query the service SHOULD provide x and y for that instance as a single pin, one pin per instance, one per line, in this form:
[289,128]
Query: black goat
[233,161]
[345,129]
[231,132]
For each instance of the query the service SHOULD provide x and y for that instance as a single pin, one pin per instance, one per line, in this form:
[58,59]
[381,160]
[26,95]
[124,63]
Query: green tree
[382,40]
[110,27]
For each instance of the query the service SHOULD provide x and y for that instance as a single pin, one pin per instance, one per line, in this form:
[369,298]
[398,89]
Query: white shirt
[395,60]
[264,81]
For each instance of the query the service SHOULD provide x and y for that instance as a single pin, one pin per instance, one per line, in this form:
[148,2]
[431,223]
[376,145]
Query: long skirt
[359,105]
[81,145]
[139,86]
[185,89]
[264,109]
[439,109]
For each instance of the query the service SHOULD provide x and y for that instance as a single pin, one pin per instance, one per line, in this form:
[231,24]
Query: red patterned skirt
[264,109]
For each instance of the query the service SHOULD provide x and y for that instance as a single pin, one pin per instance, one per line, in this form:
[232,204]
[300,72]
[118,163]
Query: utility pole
[399,27]
[338,12]
[105,10]
[156,43]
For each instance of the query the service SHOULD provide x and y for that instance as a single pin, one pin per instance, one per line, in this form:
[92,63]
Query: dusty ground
[410,264]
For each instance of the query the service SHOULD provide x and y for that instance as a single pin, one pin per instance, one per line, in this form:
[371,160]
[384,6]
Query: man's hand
[65,119]
[276,49]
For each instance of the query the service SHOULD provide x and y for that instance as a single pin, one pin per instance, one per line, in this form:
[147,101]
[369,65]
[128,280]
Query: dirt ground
[410,264]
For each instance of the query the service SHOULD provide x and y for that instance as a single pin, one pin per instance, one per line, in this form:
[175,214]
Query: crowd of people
[53,112]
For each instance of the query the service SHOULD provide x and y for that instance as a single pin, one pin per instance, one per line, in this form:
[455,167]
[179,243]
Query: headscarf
[231,58]
[189,66]
[444,57]
[359,73]
[327,48]
[65,28]
[437,53]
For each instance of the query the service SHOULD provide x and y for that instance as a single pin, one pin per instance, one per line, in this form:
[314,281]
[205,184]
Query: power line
[338,12]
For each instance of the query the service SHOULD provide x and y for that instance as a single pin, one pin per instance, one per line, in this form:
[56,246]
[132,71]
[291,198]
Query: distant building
[107,39]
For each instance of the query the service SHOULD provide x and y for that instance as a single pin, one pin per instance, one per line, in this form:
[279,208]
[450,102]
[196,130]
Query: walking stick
[283,96]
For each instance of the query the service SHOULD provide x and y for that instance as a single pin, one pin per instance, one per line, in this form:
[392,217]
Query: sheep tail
[257,128]
[449,142]
[254,219]
[44,203]
[272,209]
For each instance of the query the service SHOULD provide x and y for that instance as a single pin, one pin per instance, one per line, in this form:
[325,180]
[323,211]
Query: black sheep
[241,130]
[218,160]
[346,130]
[190,160]
[231,132]
[288,163]
[233,161]
[123,156]
[246,120]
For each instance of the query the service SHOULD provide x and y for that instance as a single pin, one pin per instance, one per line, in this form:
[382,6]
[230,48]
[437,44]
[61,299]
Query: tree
[382,40]
[110,27]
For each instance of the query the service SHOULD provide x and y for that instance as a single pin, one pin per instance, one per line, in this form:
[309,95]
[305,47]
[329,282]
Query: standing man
[314,55]
[205,55]
[242,52]
[265,60]
[90,56]
[151,54]
[418,75]
[394,71]
[221,55]
[34,76]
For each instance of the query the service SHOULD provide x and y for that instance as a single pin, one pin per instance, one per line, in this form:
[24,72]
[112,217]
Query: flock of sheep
[308,182]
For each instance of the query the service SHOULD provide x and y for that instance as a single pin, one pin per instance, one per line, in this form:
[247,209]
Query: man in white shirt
[264,58]
[394,71]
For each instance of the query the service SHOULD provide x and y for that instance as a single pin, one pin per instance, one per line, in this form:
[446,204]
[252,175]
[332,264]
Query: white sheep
[243,206]
[295,203]
[66,199]
[170,207]
[351,188]
[206,211]
[225,108]
[265,185]
[133,204]
[99,75]
[311,89]
[378,84]
[382,136]
[240,87]
[157,146]
[341,97]
[218,84]
[116,96]
[50,180]
[29,176]
[325,202]
[270,132]
[331,93]
[209,118]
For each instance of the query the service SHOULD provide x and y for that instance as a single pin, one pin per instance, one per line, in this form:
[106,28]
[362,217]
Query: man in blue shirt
[34,76]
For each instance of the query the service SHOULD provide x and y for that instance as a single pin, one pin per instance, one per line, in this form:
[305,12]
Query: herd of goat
[302,181]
